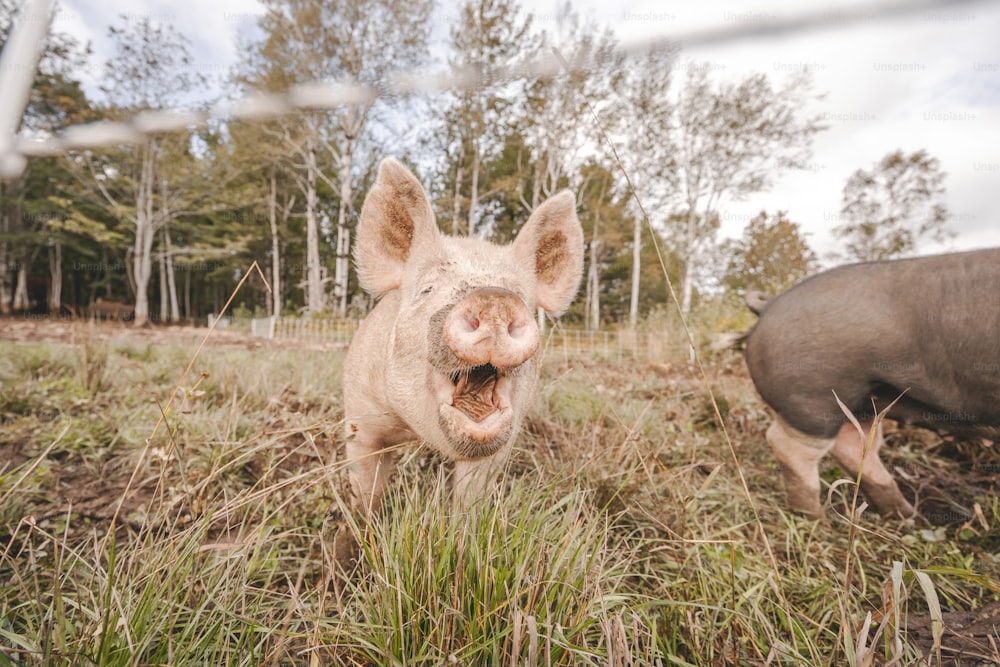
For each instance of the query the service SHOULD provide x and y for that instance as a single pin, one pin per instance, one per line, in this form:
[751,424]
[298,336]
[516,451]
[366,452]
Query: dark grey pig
[924,330]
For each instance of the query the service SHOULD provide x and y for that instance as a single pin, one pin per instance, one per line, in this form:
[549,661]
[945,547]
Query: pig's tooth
[501,393]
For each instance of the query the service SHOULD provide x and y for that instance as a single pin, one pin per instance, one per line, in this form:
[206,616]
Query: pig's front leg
[472,477]
[370,459]
[799,456]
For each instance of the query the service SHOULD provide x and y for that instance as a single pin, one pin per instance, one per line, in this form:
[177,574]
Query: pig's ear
[395,219]
[552,242]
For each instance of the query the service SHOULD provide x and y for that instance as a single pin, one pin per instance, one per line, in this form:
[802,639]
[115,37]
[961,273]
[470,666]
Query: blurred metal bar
[20,57]
[18,64]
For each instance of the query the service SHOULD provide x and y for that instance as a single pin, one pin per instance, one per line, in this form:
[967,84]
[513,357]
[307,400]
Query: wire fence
[24,45]
[319,330]
[571,343]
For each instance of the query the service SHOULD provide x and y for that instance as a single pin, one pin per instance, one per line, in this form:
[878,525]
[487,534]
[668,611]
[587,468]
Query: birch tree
[644,114]
[890,208]
[152,69]
[696,144]
[476,123]
[729,140]
[560,109]
[601,213]
[352,42]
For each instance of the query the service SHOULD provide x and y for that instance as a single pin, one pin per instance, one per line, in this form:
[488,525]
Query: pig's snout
[491,325]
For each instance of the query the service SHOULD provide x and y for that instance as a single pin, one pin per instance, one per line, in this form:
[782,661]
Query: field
[153,516]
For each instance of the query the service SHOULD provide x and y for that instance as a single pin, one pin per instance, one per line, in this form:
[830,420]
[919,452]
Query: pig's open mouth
[475,408]
[477,392]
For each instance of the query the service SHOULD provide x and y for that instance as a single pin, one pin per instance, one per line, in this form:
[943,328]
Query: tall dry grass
[631,526]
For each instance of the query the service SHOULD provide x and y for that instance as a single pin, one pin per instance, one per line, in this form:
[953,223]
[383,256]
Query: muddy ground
[946,475]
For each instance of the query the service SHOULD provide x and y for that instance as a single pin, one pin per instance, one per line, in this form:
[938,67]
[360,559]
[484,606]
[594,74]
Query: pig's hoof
[346,551]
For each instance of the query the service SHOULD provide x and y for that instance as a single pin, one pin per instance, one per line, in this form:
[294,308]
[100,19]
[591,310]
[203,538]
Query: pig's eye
[427,290]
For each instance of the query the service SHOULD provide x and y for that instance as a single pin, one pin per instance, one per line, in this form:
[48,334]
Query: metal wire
[22,51]
[17,72]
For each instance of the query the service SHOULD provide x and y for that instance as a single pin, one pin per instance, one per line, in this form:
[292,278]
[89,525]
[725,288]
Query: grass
[620,533]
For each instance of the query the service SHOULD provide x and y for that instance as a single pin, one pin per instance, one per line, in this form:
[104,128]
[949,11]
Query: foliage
[33,208]
[729,140]
[477,125]
[643,140]
[771,256]
[308,41]
[153,182]
[888,209]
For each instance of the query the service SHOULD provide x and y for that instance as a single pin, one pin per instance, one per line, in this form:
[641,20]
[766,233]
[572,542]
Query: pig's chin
[474,410]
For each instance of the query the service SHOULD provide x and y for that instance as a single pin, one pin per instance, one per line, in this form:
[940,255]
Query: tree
[607,229]
[271,184]
[354,42]
[560,108]
[646,126]
[477,123]
[728,141]
[151,69]
[34,205]
[889,209]
[547,138]
[771,256]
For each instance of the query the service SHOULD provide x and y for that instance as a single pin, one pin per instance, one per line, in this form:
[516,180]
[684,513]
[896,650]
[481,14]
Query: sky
[929,79]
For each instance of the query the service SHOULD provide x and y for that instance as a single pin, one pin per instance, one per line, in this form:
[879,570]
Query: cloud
[928,80]
[211,29]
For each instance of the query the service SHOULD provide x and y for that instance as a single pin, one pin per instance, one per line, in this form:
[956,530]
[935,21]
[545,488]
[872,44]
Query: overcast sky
[926,80]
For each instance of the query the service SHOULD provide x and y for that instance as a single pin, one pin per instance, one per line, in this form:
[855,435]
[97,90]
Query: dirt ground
[76,331]
[945,476]
[95,494]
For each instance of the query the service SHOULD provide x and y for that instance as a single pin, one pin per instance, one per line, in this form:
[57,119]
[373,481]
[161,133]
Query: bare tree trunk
[456,205]
[342,267]
[143,247]
[633,309]
[474,190]
[174,314]
[687,287]
[21,300]
[169,310]
[175,310]
[275,250]
[536,187]
[593,318]
[314,286]
[6,265]
[161,257]
[187,297]
[21,261]
[5,292]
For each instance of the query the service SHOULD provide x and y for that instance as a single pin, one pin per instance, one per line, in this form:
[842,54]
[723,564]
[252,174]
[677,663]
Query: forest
[161,229]
[172,495]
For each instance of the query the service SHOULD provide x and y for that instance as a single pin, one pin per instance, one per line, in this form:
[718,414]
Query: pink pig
[449,355]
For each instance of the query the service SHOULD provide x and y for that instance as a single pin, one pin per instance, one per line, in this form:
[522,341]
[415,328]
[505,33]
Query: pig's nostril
[467,323]
[517,329]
